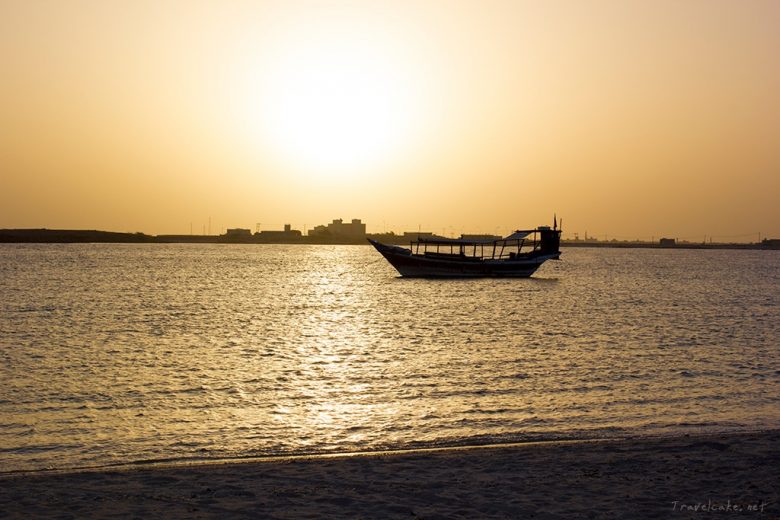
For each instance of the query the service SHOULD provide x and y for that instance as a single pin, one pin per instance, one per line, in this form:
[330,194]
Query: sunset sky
[628,119]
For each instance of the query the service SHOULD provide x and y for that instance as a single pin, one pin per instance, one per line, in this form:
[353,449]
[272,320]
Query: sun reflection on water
[219,351]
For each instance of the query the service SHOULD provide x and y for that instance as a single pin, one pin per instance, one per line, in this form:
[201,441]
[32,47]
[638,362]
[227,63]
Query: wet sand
[709,476]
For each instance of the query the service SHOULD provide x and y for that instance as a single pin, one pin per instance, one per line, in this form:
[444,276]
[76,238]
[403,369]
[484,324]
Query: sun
[335,107]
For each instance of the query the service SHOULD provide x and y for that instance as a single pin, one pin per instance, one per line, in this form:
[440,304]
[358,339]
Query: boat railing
[501,249]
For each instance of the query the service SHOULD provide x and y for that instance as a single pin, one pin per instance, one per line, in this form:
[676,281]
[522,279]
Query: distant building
[667,242]
[413,236]
[238,233]
[287,234]
[354,229]
[771,243]
[318,231]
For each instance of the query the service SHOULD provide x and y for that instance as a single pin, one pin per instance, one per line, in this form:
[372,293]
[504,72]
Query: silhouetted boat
[518,255]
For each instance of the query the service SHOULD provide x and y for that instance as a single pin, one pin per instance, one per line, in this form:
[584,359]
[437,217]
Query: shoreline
[69,236]
[190,462]
[419,449]
[630,477]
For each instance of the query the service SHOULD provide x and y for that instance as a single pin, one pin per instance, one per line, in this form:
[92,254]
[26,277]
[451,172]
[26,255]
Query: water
[119,353]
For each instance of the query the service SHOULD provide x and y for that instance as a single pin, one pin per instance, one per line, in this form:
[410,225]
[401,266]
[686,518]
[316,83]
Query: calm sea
[120,353]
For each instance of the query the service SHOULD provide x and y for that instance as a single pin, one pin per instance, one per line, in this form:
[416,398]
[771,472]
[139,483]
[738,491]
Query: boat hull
[418,266]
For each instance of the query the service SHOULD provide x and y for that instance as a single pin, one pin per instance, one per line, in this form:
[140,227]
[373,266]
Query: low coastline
[642,477]
[64,236]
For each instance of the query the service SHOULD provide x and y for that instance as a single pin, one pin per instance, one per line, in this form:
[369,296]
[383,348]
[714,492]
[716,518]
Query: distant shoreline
[70,236]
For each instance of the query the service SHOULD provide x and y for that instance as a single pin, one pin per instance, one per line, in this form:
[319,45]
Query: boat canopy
[517,235]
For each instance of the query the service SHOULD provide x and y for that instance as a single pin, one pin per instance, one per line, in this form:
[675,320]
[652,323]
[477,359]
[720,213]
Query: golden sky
[628,119]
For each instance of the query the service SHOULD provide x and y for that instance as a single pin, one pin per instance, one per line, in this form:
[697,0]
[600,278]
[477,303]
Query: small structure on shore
[286,234]
[238,233]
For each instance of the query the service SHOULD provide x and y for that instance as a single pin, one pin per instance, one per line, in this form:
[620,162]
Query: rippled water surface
[117,353]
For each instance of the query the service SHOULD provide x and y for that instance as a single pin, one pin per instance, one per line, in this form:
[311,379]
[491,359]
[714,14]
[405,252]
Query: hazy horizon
[627,119]
[205,230]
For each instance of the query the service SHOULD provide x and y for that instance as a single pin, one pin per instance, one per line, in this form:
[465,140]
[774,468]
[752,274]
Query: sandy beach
[719,475]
